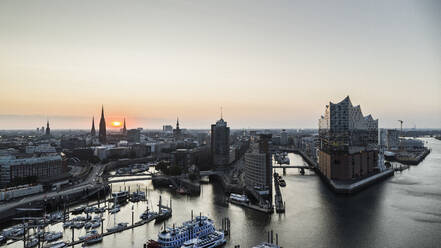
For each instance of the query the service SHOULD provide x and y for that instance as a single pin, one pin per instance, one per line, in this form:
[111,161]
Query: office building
[220,143]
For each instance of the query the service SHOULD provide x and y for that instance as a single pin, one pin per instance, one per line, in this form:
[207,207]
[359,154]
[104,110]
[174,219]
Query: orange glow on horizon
[116,124]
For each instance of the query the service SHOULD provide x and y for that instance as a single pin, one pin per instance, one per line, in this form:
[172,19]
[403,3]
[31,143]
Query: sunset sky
[269,64]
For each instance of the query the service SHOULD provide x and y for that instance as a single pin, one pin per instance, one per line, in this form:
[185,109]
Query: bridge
[292,166]
[150,176]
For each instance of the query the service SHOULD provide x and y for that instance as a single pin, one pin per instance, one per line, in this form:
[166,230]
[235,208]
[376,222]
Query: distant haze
[269,64]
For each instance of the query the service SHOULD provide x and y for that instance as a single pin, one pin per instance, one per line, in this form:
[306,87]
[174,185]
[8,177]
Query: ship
[93,240]
[199,227]
[216,239]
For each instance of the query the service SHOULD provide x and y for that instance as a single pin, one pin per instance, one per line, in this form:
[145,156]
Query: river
[402,211]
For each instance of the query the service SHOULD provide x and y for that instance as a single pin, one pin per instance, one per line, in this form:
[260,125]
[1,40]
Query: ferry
[201,226]
[212,240]
[239,198]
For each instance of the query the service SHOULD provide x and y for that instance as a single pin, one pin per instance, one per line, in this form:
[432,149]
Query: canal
[402,211]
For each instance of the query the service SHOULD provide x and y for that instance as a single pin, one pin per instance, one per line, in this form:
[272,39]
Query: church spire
[124,127]
[93,132]
[102,132]
[48,129]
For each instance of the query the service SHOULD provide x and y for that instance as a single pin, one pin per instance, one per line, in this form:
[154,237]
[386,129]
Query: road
[92,179]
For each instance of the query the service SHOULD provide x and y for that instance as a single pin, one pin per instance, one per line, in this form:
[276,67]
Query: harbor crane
[401,126]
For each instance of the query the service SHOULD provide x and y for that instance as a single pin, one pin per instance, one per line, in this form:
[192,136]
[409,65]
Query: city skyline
[269,65]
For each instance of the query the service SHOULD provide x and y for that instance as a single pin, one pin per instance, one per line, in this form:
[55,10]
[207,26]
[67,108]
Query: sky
[269,64]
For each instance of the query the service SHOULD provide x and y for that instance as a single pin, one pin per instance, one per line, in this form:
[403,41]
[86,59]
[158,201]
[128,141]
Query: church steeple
[124,128]
[93,132]
[102,132]
[177,123]
[48,129]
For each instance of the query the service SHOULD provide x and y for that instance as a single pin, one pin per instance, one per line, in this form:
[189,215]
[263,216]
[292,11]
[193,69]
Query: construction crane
[401,126]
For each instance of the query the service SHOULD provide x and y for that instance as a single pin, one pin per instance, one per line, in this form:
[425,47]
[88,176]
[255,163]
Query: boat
[78,224]
[148,215]
[238,198]
[118,228]
[67,224]
[137,196]
[95,224]
[93,240]
[55,245]
[182,191]
[163,215]
[52,236]
[31,243]
[88,225]
[201,226]
[114,210]
[120,196]
[282,182]
[78,210]
[100,210]
[2,239]
[212,240]
[88,234]
[266,245]
[90,210]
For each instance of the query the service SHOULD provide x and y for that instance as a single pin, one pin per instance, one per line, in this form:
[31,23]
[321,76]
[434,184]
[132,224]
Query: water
[402,211]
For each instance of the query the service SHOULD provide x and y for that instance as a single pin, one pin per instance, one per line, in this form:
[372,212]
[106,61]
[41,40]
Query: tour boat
[201,226]
[239,198]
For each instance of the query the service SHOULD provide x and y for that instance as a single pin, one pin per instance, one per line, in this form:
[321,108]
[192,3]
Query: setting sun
[116,123]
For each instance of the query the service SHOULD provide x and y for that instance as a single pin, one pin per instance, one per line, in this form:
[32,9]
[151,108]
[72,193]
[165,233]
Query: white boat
[78,224]
[53,236]
[88,225]
[118,227]
[114,210]
[88,234]
[212,240]
[95,224]
[31,243]
[239,198]
[55,245]
[67,224]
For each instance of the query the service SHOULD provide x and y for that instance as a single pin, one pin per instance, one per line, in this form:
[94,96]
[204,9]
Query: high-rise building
[102,136]
[258,166]
[167,128]
[220,143]
[92,131]
[348,142]
[48,129]
[283,138]
[134,135]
